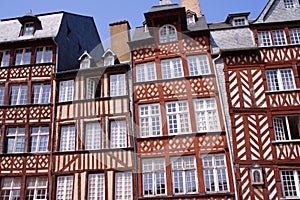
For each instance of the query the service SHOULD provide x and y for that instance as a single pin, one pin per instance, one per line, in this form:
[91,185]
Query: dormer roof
[29,17]
[85,54]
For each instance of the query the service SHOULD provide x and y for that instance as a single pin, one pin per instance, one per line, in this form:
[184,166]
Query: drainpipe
[228,137]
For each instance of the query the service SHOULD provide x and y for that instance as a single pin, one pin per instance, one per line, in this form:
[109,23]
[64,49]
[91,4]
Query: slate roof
[164,7]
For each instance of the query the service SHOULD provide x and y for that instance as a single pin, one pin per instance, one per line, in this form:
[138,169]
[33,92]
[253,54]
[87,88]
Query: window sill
[285,141]
[283,91]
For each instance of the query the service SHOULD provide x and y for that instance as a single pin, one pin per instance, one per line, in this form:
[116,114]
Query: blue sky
[108,11]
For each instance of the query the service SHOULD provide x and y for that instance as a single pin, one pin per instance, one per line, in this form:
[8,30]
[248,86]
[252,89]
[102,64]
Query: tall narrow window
[64,190]
[206,112]
[118,135]
[198,65]
[145,72]
[15,140]
[43,55]
[4,58]
[178,117]
[96,187]
[117,85]
[286,127]
[66,90]
[23,57]
[2,90]
[41,93]
[290,180]
[171,68]
[67,139]
[39,139]
[10,188]
[167,33]
[295,35]
[289,4]
[215,173]
[154,177]
[90,88]
[184,177]
[280,79]
[150,120]
[36,188]
[92,136]
[264,38]
[18,95]
[279,37]
[123,186]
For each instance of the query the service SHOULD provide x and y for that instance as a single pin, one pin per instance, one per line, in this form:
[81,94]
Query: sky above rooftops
[105,12]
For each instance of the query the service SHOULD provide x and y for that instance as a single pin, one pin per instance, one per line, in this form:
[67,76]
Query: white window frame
[214,168]
[18,95]
[117,85]
[178,115]
[2,95]
[40,184]
[118,134]
[279,37]
[39,138]
[22,55]
[280,79]
[18,138]
[282,127]
[64,187]
[28,29]
[145,72]
[171,68]
[43,55]
[92,136]
[109,60]
[167,33]
[41,93]
[5,59]
[295,35]
[123,186]
[85,63]
[293,174]
[13,188]
[239,21]
[67,138]
[289,3]
[150,120]
[185,167]
[198,65]
[96,187]
[264,39]
[151,169]
[66,90]
[207,116]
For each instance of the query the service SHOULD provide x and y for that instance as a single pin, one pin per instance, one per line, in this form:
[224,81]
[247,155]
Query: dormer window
[239,21]
[190,19]
[109,59]
[289,4]
[28,28]
[167,33]
[30,24]
[85,60]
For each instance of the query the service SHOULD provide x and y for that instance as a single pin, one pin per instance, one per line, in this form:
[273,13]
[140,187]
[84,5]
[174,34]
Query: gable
[275,11]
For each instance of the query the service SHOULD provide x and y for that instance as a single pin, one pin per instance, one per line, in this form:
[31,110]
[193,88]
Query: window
[4,58]
[2,92]
[96,187]
[92,136]
[109,59]
[184,174]
[150,122]
[118,137]
[198,65]
[215,173]
[66,90]
[154,176]
[41,93]
[10,188]
[290,180]
[43,55]
[117,85]
[264,38]
[280,79]
[123,186]
[85,63]
[18,95]
[279,37]
[28,28]
[39,139]
[171,68]
[23,57]
[178,117]
[67,139]
[36,188]
[15,140]
[167,33]
[239,21]
[286,127]
[64,188]
[206,112]
[295,35]
[190,19]
[145,72]
[289,4]
[90,88]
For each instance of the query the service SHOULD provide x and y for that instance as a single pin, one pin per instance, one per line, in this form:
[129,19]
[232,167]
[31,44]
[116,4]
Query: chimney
[192,5]
[119,36]
[164,2]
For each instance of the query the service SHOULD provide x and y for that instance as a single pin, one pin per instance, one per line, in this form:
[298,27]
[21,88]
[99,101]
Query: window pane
[178,117]
[118,135]
[149,116]
[15,138]
[117,85]
[171,68]
[92,136]
[264,38]
[123,186]
[145,72]
[64,190]
[96,187]
[295,36]
[198,65]
[2,90]
[4,58]
[289,183]
[289,4]
[10,188]
[279,37]
[39,139]
[67,140]
[167,34]
[66,90]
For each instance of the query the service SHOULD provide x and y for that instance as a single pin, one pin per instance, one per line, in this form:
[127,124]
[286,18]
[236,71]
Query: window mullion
[288,127]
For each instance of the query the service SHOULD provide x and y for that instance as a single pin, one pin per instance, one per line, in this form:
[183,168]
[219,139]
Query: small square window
[289,4]
[239,22]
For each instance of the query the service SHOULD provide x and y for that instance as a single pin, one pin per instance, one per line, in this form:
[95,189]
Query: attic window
[289,4]
[190,19]
[28,29]
[109,59]
[239,21]
[85,63]
[167,33]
